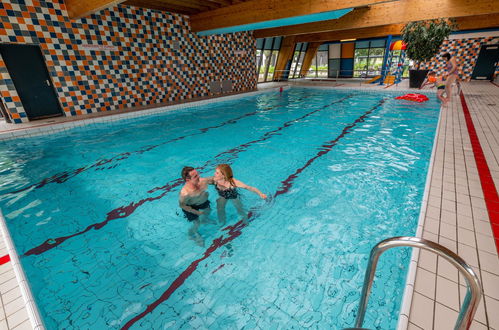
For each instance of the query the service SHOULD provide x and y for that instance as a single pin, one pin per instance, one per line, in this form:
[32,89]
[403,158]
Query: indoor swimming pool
[94,213]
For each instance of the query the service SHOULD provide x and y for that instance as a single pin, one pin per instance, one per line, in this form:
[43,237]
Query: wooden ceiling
[186,7]
[370,18]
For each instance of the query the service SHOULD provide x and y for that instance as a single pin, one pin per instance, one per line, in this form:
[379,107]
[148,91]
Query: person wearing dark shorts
[192,216]
[193,200]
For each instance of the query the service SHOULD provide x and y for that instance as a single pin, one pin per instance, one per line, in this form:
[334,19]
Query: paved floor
[457,216]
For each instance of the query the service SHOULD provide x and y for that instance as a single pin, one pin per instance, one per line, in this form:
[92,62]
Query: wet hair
[227,173]
[446,56]
[185,172]
[432,73]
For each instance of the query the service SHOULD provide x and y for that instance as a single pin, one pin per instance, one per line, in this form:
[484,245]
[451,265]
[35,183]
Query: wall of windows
[318,68]
[368,58]
[267,51]
[299,54]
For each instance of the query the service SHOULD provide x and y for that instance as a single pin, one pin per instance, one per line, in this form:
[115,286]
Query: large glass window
[296,63]
[319,68]
[368,58]
[267,51]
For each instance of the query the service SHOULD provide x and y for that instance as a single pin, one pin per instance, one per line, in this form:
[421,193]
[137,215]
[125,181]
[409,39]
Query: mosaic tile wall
[466,52]
[138,62]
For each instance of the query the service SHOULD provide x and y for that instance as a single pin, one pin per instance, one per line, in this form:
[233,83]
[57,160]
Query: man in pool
[193,200]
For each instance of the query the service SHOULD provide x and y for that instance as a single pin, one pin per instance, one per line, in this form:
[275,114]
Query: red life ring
[413,97]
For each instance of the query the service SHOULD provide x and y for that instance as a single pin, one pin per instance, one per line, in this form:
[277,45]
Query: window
[267,51]
[296,63]
[368,58]
[319,67]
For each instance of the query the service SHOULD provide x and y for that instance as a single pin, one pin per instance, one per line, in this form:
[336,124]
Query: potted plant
[423,39]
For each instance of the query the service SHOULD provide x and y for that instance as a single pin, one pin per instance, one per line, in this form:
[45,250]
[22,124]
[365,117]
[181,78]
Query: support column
[285,57]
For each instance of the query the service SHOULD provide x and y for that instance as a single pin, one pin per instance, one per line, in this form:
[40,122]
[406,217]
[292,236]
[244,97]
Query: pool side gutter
[29,300]
[405,308]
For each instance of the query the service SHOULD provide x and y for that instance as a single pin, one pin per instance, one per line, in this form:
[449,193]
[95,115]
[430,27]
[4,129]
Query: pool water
[95,219]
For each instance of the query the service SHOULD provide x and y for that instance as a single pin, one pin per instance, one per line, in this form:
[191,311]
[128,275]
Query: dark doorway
[486,63]
[29,74]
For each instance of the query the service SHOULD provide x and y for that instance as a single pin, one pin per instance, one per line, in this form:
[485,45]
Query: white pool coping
[29,300]
[405,307]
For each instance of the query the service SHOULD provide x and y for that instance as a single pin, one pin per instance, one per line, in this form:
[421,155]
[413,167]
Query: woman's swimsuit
[441,86]
[229,193]
[449,66]
[192,216]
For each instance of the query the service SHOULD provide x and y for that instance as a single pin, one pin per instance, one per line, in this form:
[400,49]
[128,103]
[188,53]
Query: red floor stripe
[489,189]
[5,259]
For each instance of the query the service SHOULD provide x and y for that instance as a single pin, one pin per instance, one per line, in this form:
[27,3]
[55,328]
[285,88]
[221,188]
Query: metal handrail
[473,290]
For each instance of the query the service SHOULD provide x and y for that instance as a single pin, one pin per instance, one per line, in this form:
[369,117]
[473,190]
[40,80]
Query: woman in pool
[226,186]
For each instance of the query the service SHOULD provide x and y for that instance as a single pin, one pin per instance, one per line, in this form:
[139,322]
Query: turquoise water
[94,213]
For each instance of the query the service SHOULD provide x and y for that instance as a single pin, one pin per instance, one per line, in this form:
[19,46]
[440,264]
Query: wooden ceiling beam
[255,11]
[399,12]
[463,23]
[78,9]
[371,32]
[162,6]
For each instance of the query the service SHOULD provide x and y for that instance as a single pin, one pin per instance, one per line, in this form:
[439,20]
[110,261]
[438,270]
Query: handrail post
[473,292]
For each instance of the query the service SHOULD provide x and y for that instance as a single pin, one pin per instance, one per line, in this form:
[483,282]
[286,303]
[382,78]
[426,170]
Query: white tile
[431,225]
[485,243]
[14,306]
[465,236]
[17,318]
[26,325]
[483,227]
[425,283]
[428,261]
[448,231]
[445,318]
[490,283]
[448,243]
[421,311]
[412,326]
[489,262]
[492,312]
[9,285]
[11,295]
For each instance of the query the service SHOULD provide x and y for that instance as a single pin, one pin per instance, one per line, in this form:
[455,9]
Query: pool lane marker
[66,175]
[488,186]
[236,229]
[125,211]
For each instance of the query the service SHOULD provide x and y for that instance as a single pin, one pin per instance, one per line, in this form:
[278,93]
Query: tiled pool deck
[456,216]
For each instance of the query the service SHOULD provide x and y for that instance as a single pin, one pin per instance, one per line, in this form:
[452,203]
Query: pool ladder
[473,290]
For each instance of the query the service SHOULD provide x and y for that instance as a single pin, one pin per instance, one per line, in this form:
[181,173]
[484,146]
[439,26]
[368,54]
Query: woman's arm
[241,184]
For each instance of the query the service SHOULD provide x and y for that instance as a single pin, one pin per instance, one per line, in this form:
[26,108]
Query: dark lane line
[66,175]
[236,229]
[125,211]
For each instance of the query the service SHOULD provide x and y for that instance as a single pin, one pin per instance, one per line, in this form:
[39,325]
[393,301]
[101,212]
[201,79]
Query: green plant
[424,38]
